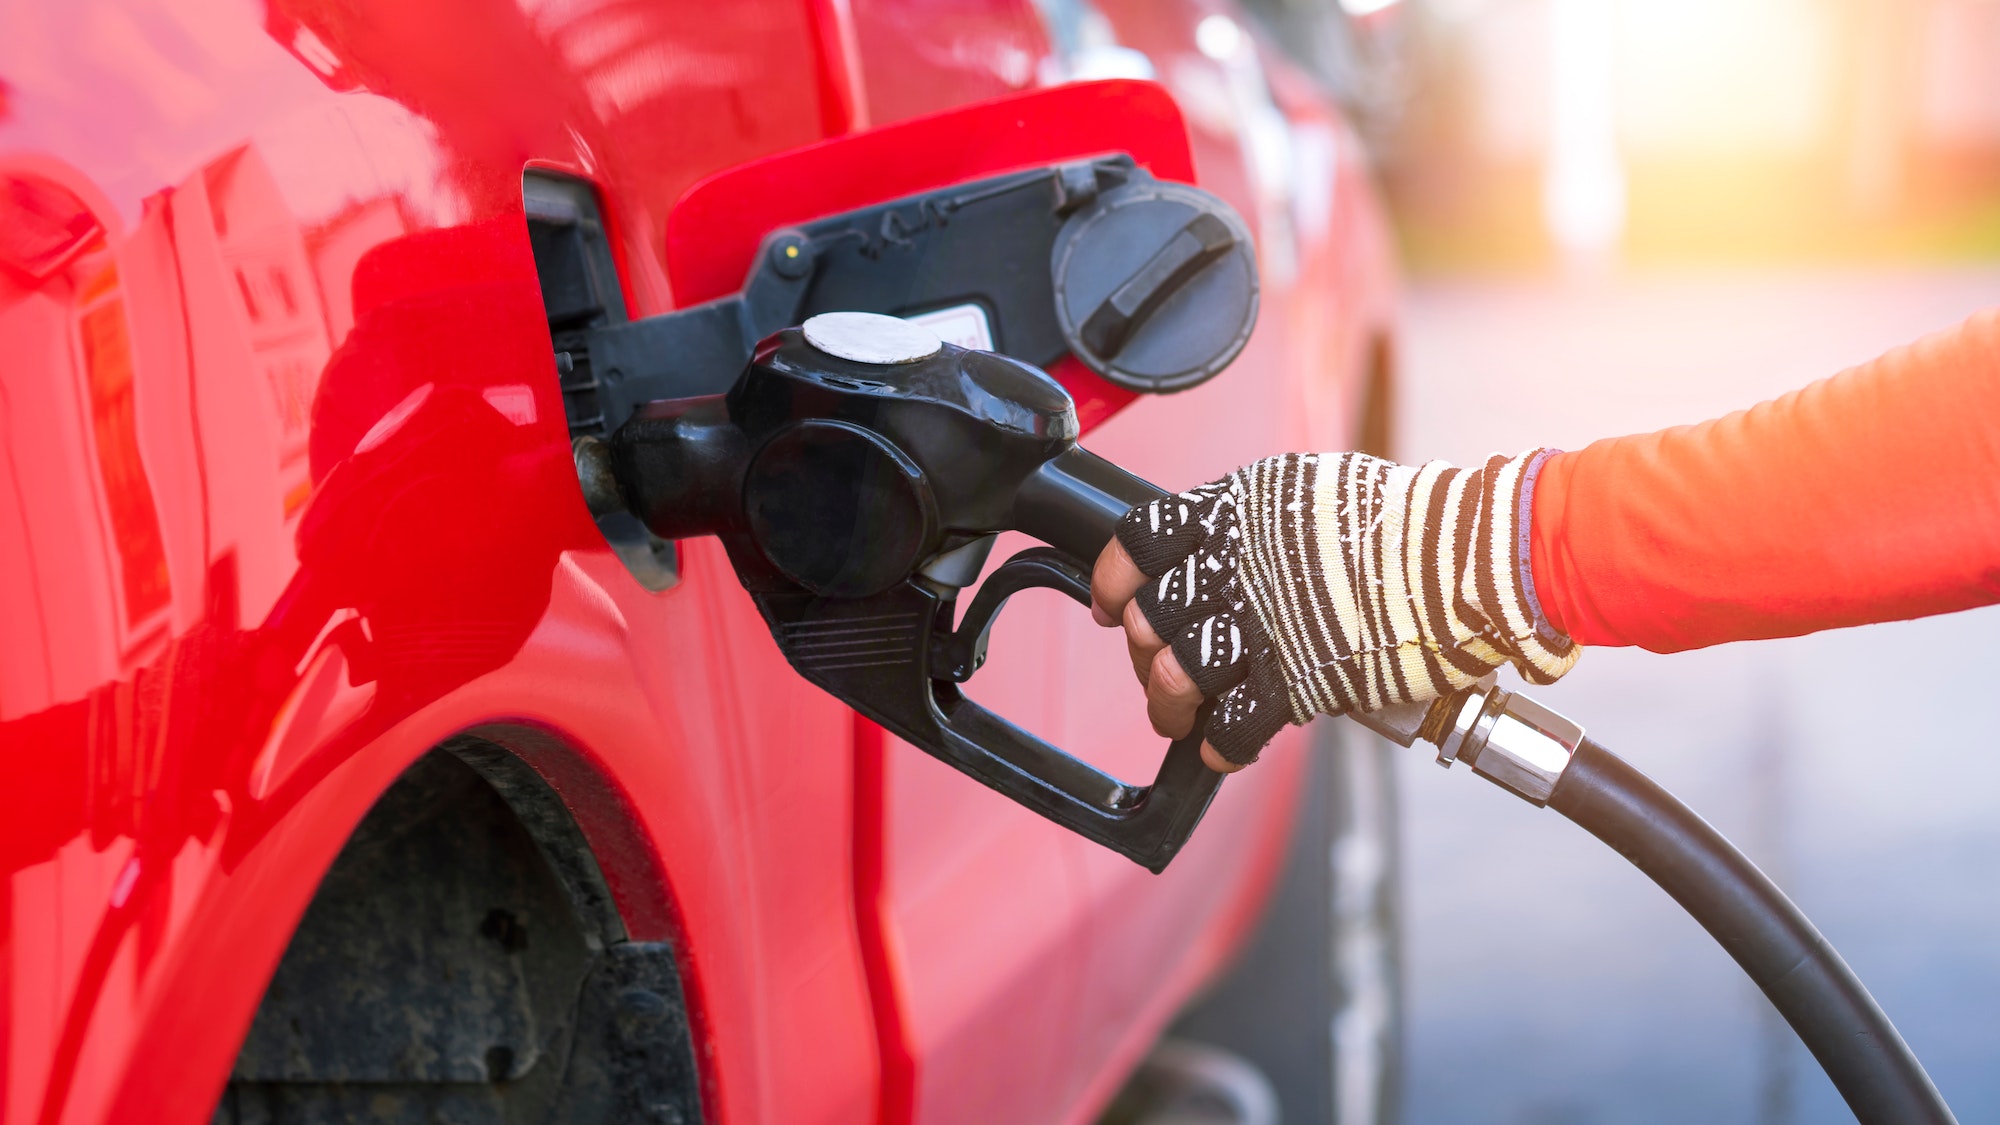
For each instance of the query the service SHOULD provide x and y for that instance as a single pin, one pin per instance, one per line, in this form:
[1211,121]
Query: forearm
[1870,496]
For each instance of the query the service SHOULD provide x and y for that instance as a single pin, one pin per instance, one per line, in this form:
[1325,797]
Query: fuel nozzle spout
[678,465]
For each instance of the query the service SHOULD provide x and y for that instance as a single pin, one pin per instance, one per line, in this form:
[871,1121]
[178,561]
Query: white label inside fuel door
[964,325]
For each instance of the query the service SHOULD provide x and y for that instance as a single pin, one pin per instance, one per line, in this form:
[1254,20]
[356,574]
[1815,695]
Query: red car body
[287,500]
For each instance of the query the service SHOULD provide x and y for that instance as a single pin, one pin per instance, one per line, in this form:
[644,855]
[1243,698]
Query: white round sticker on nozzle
[870,337]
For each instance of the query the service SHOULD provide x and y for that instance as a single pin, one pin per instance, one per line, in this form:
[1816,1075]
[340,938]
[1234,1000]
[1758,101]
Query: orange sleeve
[1870,496]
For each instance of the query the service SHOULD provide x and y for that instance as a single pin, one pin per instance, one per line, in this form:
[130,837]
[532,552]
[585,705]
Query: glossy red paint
[715,228]
[921,56]
[286,501]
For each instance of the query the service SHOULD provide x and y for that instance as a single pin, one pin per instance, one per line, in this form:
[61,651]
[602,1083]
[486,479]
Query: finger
[1246,716]
[1141,642]
[1160,533]
[1213,759]
[1171,697]
[1200,586]
[1113,581]
[1214,652]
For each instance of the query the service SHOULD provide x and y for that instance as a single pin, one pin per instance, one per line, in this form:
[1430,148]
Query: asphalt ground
[1549,983]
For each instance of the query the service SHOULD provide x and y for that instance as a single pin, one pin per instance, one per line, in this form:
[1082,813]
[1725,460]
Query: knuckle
[1142,666]
[1171,680]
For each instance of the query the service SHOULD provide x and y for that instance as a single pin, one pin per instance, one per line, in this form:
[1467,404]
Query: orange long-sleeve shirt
[1873,495]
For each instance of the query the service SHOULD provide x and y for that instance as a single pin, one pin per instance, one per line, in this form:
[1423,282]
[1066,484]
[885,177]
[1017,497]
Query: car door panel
[329,208]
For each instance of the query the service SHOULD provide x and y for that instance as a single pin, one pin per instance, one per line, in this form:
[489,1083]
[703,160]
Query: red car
[354,772]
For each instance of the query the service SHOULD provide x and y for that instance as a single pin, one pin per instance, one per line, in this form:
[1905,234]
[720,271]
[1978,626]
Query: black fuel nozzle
[857,469]
[856,473]
[848,474]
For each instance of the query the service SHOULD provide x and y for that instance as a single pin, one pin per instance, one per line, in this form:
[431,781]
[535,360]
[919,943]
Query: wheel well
[463,961]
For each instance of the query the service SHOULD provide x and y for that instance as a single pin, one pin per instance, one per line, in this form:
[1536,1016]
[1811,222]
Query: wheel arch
[578,973]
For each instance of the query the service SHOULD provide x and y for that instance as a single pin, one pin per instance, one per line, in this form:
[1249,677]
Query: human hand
[1320,584]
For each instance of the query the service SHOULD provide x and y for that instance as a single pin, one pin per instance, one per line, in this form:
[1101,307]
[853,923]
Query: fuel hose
[1544,758]
[1784,953]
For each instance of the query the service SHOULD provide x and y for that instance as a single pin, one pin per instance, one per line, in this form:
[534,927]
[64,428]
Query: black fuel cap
[1156,285]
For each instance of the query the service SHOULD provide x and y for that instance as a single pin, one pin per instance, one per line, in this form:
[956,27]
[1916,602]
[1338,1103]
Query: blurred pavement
[1548,982]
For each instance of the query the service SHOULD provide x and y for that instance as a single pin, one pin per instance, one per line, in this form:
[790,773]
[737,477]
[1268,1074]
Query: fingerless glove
[1310,584]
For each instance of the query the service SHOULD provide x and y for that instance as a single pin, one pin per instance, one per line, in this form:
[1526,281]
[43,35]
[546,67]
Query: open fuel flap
[873,405]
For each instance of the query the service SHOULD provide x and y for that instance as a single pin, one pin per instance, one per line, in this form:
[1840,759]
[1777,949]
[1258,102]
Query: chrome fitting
[1510,740]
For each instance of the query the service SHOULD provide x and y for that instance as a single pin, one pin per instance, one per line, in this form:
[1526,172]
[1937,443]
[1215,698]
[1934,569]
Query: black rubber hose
[1778,946]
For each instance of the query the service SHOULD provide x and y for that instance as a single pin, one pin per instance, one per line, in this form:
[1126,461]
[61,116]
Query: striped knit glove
[1313,584]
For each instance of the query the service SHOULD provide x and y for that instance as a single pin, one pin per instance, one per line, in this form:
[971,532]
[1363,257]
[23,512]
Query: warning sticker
[964,325]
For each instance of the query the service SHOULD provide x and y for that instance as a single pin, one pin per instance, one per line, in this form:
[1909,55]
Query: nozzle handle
[895,657]
[1147,823]
[1073,503]
[1075,500]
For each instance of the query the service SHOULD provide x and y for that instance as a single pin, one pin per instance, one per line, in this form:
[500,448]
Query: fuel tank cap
[870,337]
[1155,285]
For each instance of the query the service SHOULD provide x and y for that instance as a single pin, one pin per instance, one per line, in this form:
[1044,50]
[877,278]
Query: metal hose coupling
[1510,740]
[1505,737]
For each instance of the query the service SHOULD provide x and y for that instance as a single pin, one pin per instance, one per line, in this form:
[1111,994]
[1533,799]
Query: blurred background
[1619,215]
[1662,132]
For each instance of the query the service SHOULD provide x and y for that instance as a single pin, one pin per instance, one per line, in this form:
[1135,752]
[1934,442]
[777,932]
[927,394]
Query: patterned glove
[1320,584]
